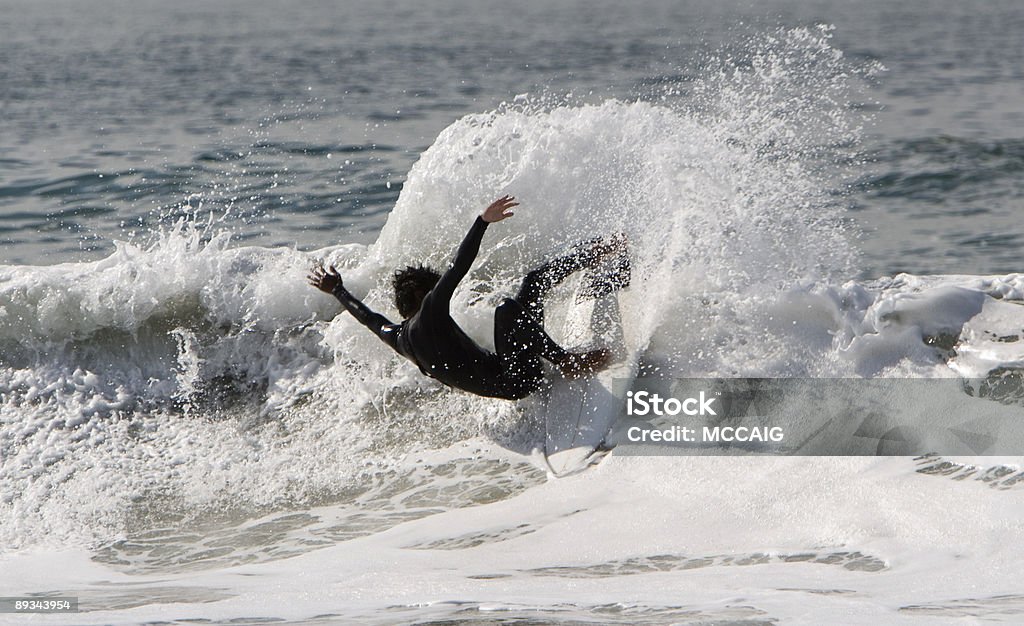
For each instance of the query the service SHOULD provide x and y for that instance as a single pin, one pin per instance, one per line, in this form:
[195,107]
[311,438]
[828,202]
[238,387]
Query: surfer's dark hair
[411,285]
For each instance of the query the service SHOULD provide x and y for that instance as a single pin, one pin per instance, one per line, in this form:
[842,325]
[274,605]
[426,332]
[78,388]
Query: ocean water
[190,434]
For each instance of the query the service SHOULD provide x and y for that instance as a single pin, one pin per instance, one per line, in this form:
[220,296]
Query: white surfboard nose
[579,414]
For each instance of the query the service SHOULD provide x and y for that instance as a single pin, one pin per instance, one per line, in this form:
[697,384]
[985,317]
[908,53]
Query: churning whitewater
[184,414]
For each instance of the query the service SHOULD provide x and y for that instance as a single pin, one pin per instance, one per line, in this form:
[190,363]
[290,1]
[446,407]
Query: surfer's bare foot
[599,248]
[583,363]
[616,244]
[610,265]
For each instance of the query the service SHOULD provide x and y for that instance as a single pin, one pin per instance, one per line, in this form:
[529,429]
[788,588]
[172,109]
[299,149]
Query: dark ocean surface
[295,124]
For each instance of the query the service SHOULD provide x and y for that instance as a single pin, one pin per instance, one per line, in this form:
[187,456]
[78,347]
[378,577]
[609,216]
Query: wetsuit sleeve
[380,325]
[445,287]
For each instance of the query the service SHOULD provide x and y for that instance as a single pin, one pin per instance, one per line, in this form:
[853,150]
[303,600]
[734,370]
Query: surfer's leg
[539,281]
[521,342]
[516,343]
[517,333]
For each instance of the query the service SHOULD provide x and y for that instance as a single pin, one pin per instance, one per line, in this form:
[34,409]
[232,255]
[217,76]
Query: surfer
[431,339]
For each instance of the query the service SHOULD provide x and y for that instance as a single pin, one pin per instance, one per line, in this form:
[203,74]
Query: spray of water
[192,377]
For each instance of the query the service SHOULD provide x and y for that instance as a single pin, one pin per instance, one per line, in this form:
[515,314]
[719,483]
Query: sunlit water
[188,432]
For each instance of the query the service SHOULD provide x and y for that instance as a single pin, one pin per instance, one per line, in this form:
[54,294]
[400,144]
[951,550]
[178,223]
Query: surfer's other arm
[329,281]
[442,292]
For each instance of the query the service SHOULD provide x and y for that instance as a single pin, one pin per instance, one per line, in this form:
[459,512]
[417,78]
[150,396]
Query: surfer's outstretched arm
[329,281]
[442,292]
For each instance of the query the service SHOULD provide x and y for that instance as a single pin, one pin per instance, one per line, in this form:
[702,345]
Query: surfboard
[579,414]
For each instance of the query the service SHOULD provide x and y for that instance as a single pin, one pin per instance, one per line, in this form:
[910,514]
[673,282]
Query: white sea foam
[636,540]
[195,406]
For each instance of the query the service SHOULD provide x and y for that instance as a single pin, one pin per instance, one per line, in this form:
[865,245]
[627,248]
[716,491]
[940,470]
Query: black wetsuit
[434,342]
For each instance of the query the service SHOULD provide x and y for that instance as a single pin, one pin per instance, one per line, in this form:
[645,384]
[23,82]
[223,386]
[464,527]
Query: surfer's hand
[580,364]
[499,209]
[325,280]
